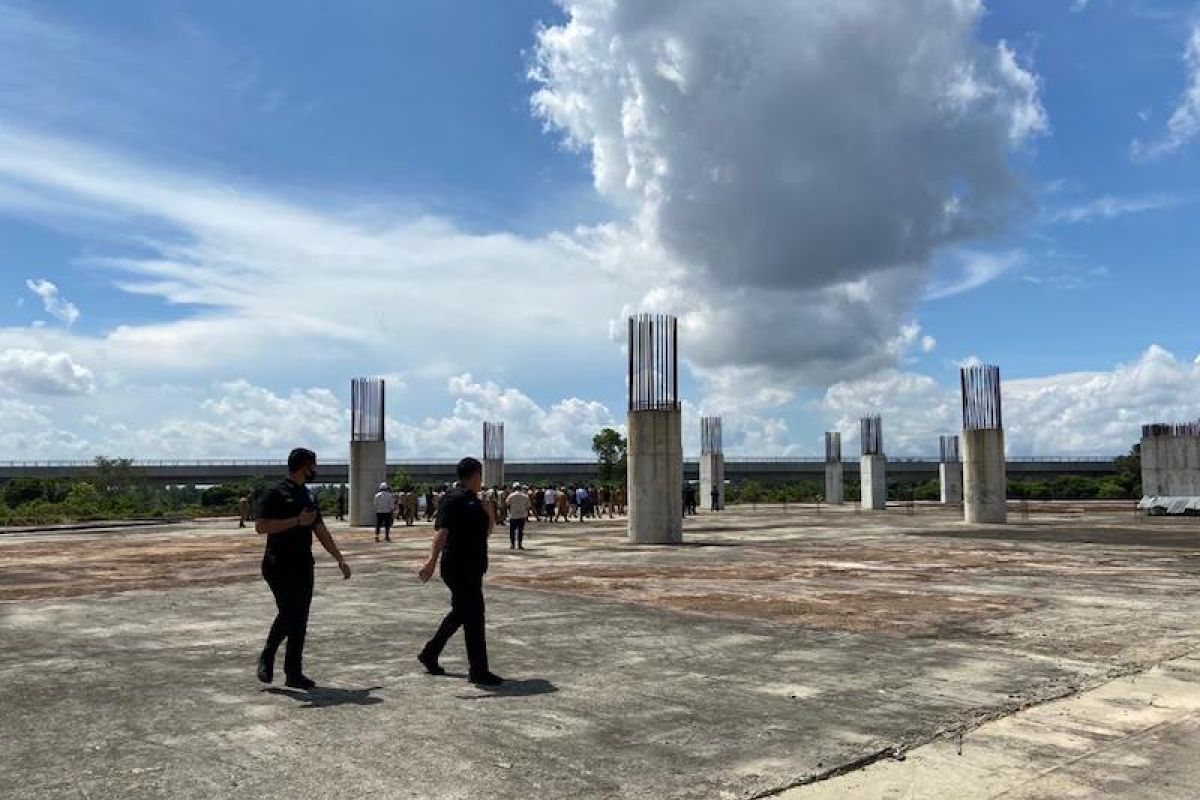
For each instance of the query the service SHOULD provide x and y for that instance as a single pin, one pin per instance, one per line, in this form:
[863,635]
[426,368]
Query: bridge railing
[253,462]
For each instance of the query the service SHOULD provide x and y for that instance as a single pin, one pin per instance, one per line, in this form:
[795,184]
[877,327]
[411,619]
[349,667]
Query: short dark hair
[300,457]
[467,468]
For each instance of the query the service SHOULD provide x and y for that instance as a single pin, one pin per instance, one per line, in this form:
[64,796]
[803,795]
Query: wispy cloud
[1068,278]
[976,269]
[1184,122]
[54,303]
[1110,207]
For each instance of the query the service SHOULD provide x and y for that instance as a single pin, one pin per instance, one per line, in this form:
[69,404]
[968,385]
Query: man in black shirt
[462,529]
[289,517]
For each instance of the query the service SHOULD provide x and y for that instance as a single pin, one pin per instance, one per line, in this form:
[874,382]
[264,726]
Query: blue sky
[432,212]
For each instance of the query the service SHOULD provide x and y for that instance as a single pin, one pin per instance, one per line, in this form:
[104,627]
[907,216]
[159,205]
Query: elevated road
[763,470]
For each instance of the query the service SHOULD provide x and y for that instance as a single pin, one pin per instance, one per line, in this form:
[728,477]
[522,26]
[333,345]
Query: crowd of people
[548,503]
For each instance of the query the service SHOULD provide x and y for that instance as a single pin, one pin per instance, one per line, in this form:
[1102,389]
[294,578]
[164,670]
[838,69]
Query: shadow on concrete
[327,696]
[511,688]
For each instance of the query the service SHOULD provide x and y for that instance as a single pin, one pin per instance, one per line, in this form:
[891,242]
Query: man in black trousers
[289,517]
[460,541]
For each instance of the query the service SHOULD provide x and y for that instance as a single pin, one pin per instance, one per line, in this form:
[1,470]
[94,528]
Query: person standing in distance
[384,504]
[517,504]
[288,518]
[460,541]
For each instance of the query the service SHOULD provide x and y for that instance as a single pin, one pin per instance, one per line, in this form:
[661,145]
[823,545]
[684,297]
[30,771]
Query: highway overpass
[739,468]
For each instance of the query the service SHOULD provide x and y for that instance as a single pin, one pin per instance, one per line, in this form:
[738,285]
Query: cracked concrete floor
[776,648]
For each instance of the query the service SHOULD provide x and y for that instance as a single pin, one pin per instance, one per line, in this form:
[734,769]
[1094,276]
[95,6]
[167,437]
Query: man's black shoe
[300,682]
[486,679]
[266,668]
[431,665]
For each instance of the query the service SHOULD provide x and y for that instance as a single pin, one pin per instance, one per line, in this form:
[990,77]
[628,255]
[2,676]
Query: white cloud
[1083,413]
[55,305]
[1184,122]
[801,162]
[27,432]
[1109,207]
[976,269]
[1078,5]
[39,372]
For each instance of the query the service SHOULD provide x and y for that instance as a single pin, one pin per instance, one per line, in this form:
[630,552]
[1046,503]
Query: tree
[113,474]
[611,451]
[1129,471]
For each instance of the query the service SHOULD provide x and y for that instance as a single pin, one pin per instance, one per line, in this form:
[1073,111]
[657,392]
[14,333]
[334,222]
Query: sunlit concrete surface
[773,650]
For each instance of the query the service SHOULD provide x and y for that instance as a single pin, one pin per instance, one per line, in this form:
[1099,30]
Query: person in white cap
[517,503]
[384,505]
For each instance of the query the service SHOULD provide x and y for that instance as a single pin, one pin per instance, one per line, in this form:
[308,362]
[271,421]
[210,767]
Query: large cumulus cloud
[801,161]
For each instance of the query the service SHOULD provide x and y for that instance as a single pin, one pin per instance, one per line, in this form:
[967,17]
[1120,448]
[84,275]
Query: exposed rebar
[366,409]
[493,441]
[872,435]
[710,436]
[833,447]
[981,398]
[653,363]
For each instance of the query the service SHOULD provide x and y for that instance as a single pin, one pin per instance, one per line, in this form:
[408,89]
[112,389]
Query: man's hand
[426,571]
[345,568]
[306,517]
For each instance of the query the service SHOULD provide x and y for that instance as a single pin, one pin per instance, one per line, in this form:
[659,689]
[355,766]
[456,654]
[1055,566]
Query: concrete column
[493,472]
[368,469]
[873,481]
[712,474]
[1152,473]
[950,474]
[835,493]
[655,477]
[985,483]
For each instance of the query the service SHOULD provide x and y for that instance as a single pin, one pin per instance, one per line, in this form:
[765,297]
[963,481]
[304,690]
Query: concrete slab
[775,648]
[1135,737]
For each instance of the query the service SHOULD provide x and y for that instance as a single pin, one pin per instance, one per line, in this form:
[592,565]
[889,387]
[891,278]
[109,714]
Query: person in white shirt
[385,505]
[549,502]
[518,511]
[581,498]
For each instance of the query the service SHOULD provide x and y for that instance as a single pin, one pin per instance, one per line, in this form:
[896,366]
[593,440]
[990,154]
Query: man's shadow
[512,688]
[326,696]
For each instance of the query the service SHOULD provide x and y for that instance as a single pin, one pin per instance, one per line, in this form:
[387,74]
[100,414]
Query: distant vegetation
[1125,485]
[113,491]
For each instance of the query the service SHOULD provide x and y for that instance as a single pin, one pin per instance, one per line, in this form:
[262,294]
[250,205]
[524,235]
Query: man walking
[550,503]
[460,542]
[384,505]
[518,511]
[289,518]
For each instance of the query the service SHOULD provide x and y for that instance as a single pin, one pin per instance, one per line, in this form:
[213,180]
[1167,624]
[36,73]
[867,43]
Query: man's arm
[269,526]
[326,540]
[439,542]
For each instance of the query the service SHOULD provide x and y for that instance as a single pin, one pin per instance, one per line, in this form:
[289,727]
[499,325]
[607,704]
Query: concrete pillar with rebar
[835,492]
[712,464]
[655,449]
[368,448]
[493,454]
[985,482]
[873,465]
[1170,455]
[950,471]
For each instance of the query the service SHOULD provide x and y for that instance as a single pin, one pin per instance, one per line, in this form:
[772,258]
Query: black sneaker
[266,668]
[486,679]
[431,665]
[300,682]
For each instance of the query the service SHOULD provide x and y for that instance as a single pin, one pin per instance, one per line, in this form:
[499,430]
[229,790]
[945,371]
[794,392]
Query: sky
[214,215]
